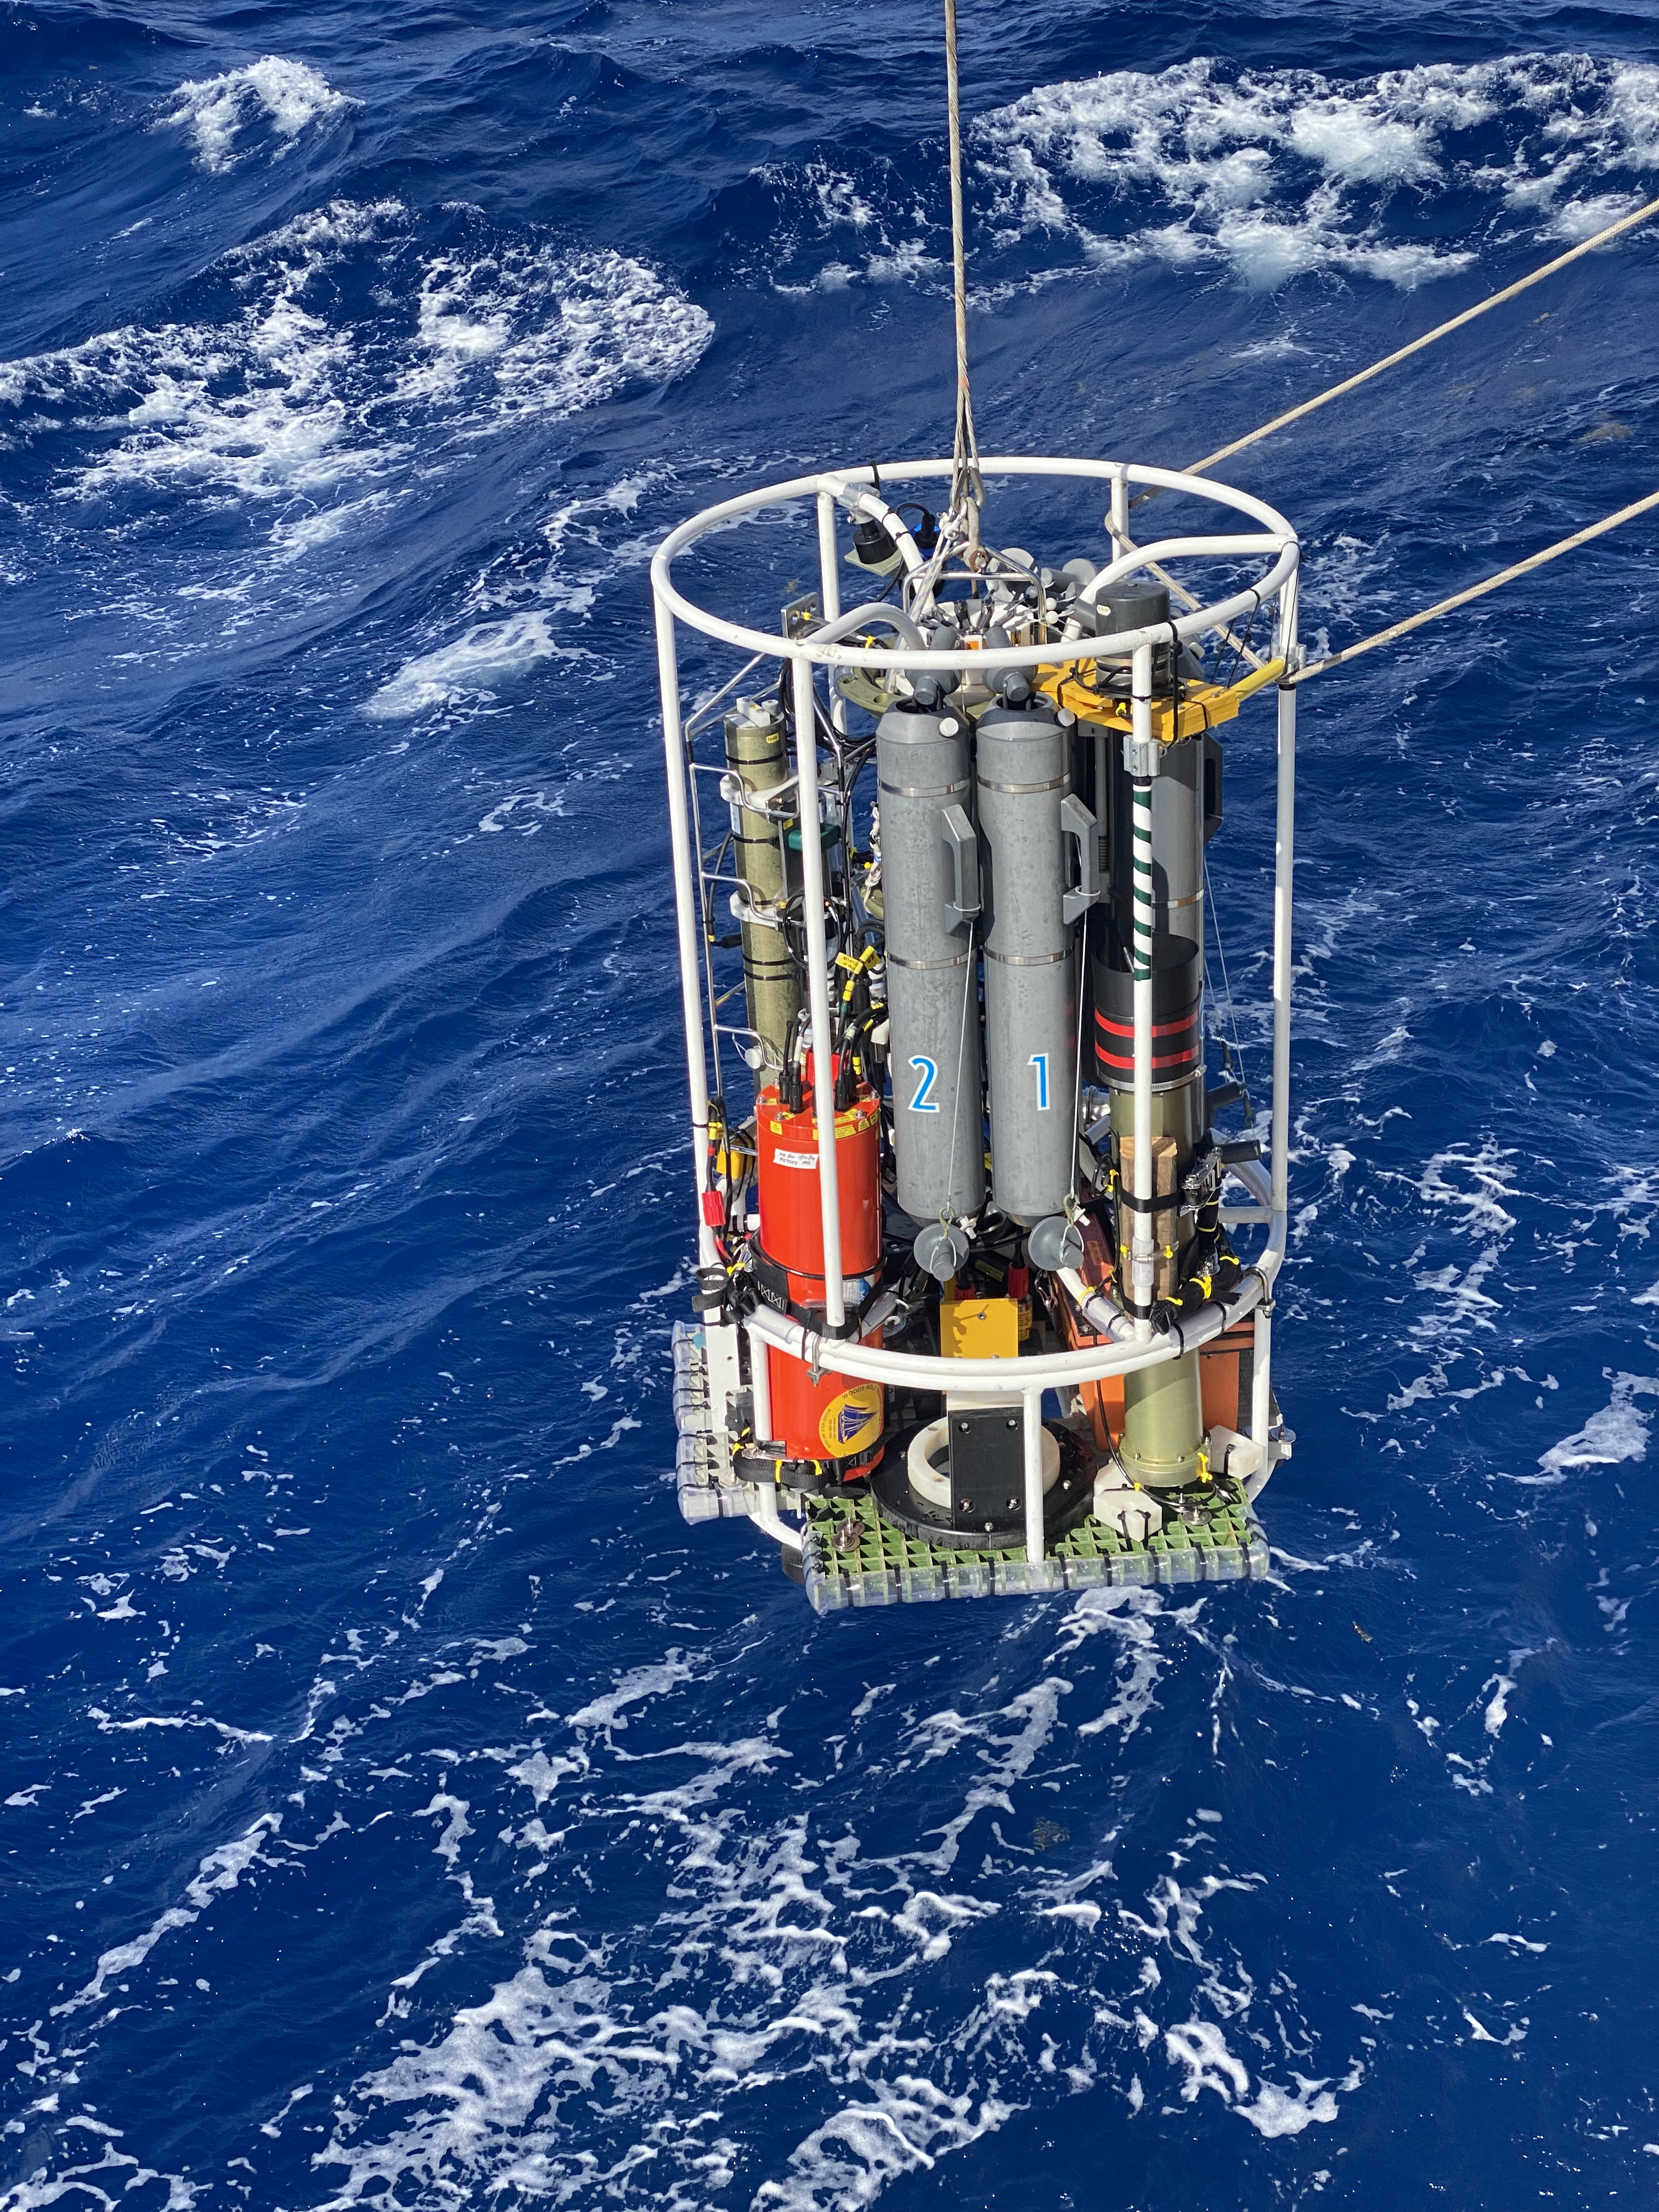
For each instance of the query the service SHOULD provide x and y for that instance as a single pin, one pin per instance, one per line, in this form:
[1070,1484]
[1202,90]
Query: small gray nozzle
[940,1250]
[1055,1243]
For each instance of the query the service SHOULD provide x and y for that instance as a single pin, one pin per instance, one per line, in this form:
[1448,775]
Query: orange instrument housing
[833,1417]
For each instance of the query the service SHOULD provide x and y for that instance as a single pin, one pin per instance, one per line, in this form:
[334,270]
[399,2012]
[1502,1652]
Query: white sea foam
[543,1775]
[221,1870]
[1617,1433]
[639,1685]
[881,220]
[1464,1190]
[287,97]
[1272,172]
[900,2127]
[292,402]
[267,404]
[1131,1616]
[903,2016]
[1201,2048]
[477,663]
[1006,1741]
[536,330]
[524,811]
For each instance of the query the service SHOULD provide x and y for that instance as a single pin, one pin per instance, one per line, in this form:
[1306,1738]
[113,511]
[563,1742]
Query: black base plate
[1065,1505]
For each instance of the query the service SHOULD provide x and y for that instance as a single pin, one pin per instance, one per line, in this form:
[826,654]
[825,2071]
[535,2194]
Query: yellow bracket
[1202,705]
[978,1329]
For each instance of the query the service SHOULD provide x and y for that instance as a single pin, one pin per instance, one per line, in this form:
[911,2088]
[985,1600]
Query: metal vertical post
[829,573]
[688,919]
[1261,1361]
[1283,873]
[760,1386]
[817,985]
[829,592]
[1141,1245]
[1118,521]
[1284,865]
[1031,1404]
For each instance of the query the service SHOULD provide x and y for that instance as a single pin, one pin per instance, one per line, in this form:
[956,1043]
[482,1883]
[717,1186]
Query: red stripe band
[1159,1028]
[1175,1060]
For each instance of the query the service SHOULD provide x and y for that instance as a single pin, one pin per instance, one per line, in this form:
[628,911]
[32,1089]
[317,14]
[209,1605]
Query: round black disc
[1063,1505]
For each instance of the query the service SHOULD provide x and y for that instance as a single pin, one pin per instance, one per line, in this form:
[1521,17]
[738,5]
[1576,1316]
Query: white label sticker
[795,1159]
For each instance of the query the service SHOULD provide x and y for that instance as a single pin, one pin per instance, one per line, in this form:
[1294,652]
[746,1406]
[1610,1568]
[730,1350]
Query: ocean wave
[893,2006]
[334,361]
[484,657]
[1272,174]
[275,97]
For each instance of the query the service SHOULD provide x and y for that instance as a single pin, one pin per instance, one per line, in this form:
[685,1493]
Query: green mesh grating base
[851,1556]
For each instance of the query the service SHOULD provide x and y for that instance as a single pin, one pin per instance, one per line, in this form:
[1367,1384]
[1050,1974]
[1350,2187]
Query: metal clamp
[752,914]
[1141,762]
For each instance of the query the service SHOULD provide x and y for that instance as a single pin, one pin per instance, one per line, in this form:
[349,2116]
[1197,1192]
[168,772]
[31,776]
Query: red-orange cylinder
[833,1417]
[791,1209]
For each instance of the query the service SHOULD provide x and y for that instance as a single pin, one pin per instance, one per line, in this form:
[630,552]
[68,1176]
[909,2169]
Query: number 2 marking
[1040,1062]
[924,1102]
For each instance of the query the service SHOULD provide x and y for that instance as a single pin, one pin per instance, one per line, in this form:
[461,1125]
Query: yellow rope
[1350,383]
[1478,590]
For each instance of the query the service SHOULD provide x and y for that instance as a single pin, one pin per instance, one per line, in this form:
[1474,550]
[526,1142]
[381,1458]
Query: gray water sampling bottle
[1041,872]
[930,883]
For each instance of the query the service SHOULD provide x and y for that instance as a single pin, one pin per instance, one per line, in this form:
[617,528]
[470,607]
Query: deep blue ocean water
[400,1804]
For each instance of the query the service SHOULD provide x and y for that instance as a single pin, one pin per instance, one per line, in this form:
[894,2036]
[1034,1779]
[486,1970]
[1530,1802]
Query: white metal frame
[852,491]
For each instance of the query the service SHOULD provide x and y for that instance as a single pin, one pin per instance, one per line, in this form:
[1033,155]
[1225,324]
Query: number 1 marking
[924,1102]
[1040,1062]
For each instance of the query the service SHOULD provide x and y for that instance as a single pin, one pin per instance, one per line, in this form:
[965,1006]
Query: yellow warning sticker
[851,1421]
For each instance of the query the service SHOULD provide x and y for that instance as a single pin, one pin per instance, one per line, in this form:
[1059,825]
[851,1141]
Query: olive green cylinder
[1177,1113]
[758,752]
[1163,1424]
[1164,1405]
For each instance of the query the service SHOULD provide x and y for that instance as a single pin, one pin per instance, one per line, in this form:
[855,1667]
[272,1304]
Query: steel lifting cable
[1568,544]
[1404,353]
[967,487]
[1389,361]
[1476,590]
